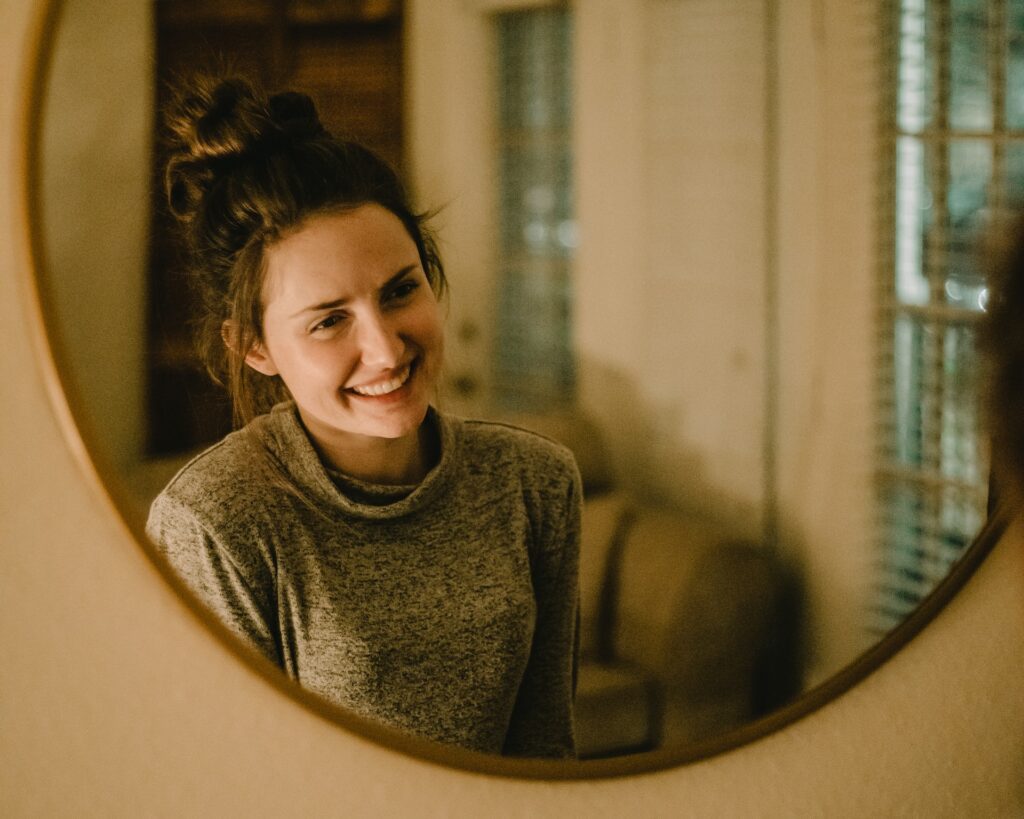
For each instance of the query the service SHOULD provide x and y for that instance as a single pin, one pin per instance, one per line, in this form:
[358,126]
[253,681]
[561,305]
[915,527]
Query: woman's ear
[257,356]
[259,359]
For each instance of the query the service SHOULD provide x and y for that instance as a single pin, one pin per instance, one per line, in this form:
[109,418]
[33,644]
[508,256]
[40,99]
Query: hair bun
[215,123]
[213,119]
[295,114]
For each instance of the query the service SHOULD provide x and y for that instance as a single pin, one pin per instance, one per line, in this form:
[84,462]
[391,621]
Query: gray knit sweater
[447,609]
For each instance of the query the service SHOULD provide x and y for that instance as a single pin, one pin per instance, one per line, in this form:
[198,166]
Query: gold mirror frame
[81,439]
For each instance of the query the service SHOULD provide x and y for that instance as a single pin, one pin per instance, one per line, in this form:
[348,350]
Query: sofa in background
[685,630]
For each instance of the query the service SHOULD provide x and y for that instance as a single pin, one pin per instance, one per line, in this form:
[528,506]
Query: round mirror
[742,297]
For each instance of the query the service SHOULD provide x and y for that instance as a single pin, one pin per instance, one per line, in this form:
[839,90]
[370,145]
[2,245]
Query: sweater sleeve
[238,591]
[542,719]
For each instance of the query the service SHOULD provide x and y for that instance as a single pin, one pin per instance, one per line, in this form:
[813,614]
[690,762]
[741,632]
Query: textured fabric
[448,609]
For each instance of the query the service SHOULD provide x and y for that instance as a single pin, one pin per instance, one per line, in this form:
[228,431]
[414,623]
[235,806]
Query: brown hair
[243,170]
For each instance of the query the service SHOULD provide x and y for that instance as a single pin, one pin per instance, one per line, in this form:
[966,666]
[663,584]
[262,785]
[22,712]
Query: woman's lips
[381,389]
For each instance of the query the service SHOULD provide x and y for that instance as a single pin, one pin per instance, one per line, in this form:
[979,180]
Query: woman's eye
[326,323]
[404,290]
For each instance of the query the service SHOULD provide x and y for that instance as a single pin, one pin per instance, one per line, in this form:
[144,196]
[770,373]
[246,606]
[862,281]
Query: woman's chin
[394,431]
[399,422]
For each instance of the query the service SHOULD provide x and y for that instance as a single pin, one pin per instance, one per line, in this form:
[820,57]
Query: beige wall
[116,702]
[671,337]
[825,272]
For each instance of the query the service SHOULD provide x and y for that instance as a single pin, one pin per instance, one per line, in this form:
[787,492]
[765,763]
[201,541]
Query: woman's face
[351,325]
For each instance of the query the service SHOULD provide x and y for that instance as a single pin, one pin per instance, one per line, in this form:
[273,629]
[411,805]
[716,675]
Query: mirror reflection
[778,441]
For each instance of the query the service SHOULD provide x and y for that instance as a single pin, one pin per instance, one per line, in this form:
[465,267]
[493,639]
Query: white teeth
[384,387]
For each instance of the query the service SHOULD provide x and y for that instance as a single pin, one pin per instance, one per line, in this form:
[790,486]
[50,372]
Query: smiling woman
[414,568]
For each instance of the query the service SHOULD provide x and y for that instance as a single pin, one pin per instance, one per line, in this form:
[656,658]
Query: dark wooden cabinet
[347,54]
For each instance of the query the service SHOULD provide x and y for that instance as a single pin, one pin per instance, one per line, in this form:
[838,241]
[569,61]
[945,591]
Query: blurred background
[725,251]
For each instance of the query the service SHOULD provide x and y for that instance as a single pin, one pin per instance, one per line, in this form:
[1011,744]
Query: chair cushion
[616,710]
[657,575]
[604,519]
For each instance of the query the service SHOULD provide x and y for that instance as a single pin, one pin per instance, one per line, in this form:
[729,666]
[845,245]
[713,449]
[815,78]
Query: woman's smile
[384,389]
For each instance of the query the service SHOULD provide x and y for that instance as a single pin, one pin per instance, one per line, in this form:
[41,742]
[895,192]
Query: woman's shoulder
[224,479]
[211,466]
[505,445]
[218,511]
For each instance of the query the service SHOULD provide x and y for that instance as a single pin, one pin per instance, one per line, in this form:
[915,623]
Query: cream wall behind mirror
[823,445]
[118,703]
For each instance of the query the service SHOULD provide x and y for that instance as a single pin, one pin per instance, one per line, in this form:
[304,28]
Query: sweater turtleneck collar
[284,435]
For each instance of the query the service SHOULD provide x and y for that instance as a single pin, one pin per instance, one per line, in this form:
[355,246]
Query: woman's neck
[388,461]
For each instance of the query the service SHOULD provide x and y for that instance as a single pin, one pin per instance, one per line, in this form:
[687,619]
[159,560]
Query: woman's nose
[380,345]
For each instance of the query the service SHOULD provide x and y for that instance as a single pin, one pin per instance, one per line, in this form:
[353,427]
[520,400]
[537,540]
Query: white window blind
[954,148]
[534,363]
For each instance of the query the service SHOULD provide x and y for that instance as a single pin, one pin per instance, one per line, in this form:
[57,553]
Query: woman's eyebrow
[334,303]
[405,271]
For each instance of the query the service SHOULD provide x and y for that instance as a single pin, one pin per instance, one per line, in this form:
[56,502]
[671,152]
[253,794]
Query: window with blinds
[534,364]
[954,150]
